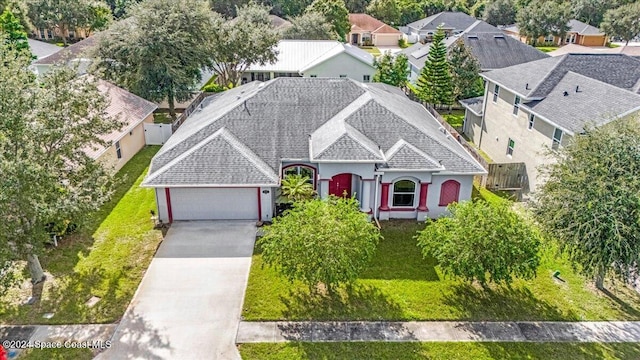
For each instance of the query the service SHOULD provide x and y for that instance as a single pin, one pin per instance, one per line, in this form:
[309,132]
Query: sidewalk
[587,331]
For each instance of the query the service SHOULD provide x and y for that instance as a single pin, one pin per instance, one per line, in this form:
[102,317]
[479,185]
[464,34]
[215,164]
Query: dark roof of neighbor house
[42,49]
[475,105]
[494,50]
[241,136]
[537,78]
[71,52]
[369,23]
[582,28]
[278,22]
[449,20]
[128,108]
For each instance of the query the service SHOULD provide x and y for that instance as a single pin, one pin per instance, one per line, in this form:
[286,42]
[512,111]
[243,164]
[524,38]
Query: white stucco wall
[161,203]
[342,64]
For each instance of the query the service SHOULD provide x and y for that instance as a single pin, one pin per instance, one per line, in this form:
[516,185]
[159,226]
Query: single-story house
[279,23]
[75,53]
[542,104]
[578,33]
[132,111]
[56,33]
[453,23]
[363,140]
[41,49]
[314,58]
[579,49]
[491,47]
[367,30]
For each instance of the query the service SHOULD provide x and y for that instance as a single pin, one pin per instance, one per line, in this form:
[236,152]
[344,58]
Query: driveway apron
[189,302]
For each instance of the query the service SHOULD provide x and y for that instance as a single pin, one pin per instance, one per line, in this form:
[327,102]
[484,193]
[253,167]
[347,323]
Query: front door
[354,39]
[340,184]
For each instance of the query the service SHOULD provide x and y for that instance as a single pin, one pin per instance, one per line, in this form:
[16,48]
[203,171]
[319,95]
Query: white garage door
[387,40]
[214,203]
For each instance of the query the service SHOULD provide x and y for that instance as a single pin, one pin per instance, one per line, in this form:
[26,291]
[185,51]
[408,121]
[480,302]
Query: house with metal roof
[579,33]
[367,30]
[77,53]
[487,43]
[314,58]
[350,138]
[542,104]
[41,49]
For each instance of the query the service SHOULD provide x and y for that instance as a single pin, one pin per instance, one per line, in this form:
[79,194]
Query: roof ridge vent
[498,36]
[472,35]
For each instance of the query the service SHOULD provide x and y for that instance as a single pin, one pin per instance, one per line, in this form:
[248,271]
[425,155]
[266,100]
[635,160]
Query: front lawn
[57,354]
[455,118]
[372,50]
[547,49]
[400,285]
[106,259]
[435,351]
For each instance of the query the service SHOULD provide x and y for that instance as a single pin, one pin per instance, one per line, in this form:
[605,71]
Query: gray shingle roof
[406,156]
[537,78]
[494,50]
[582,28]
[273,120]
[595,103]
[42,49]
[475,105]
[449,20]
[71,52]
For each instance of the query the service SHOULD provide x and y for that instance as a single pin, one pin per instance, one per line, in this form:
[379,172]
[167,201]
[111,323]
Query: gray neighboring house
[41,49]
[453,23]
[487,43]
[542,104]
[72,54]
[368,141]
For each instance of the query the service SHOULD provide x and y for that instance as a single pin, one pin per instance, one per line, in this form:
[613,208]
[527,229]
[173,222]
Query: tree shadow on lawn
[354,302]
[565,350]
[502,303]
[624,306]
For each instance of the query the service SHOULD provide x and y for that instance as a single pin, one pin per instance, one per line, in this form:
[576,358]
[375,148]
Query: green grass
[455,118]
[547,49]
[438,351]
[106,258]
[400,285]
[372,50]
[57,354]
[162,118]
[612,45]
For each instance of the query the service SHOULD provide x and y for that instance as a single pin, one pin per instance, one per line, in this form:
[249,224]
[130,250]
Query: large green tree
[434,84]
[320,242]
[500,12]
[356,6]
[159,52]
[591,11]
[228,8]
[481,241]
[46,175]
[465,70]
[392,70]
[15,36]
[246,40]
[543,17]
[622,22]
[336,14]
[66,15]
[386,11]
[410,11]
[119,8]
[310,26]
[590,201]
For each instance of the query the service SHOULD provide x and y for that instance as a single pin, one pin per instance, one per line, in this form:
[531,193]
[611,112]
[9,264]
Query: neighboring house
[453,23]
[579,49]
[491,47]
[132,111]
[279,23]
[56,33]
[542,104]
[578,33]
[367,30]
[315,58]
[41,49]
[72,54]
[368,141]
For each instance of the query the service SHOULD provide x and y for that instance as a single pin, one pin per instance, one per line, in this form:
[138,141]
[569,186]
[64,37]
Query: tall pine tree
[434,84]
[465,70]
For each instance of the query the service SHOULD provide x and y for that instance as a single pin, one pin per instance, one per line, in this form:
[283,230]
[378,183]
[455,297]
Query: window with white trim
[49,34]
[510,145]
[42,34]
[118,150]
[366,78]
[404,193]
[549,38]
[532,121]
[557,139]
[516,105]
[301,170]
[496,92]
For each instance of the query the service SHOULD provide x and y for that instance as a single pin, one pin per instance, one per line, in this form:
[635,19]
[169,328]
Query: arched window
[404,193]
[303,170]
[449,192]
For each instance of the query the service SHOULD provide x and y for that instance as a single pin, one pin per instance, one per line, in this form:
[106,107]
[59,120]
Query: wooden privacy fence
[190,109]
[508,177]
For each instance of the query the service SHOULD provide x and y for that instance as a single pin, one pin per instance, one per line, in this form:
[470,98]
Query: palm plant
[296,188]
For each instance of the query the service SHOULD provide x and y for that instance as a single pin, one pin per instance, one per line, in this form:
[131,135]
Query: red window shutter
[449,192]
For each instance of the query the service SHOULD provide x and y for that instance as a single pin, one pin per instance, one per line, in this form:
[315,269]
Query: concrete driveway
[189,302]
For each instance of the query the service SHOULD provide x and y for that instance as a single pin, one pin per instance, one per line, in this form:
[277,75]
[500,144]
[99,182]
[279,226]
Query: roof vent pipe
[578,88]
[565,93]
[526,86]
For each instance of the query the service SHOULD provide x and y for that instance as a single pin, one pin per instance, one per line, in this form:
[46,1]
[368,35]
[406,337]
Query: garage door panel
[387,40]
[214,203]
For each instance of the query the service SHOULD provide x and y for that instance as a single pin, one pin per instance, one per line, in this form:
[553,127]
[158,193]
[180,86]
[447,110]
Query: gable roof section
[42,49]
[300,55]
[404,156]
[71,52]
[450,20]
[369,23]
[278,22]
[348,121]
[536,79]
[582,28]
[595,103]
